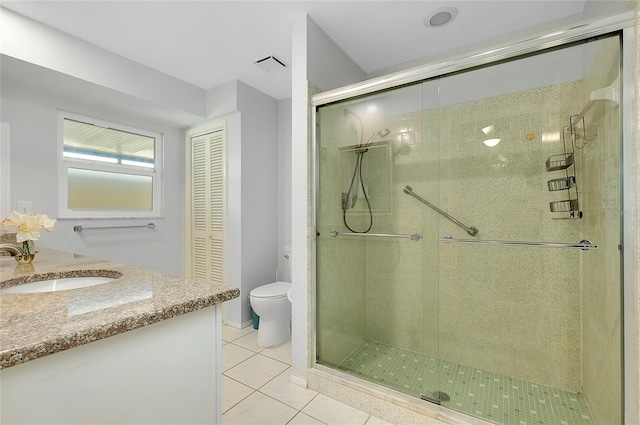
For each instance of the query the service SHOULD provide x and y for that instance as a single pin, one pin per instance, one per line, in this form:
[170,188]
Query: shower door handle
[583,244]
[414,236]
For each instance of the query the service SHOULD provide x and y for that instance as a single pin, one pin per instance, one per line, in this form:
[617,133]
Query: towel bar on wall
[79,228]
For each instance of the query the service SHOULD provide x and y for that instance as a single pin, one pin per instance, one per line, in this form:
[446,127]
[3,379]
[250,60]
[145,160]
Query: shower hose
[350,203]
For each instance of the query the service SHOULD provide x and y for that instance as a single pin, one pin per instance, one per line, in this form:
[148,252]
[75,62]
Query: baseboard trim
[239,325]
[298,380]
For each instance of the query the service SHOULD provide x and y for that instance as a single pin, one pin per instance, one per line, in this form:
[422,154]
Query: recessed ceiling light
[441,16]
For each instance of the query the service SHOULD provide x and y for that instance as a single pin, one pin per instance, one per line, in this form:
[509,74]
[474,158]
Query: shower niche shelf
[569,207]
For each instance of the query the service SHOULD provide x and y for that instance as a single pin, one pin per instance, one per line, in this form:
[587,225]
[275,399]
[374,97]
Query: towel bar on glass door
[79,228]
[583,244]
[414,236]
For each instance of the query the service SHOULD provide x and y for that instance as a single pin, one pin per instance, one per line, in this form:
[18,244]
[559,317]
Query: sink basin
[59,284]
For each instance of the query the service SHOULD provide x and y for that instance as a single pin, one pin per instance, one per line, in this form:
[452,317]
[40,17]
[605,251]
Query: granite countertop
[34,325]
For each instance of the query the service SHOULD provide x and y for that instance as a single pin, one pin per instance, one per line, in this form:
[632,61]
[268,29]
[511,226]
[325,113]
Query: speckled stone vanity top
[34,325]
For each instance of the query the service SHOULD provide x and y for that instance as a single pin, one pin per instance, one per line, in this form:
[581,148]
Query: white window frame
[64,164]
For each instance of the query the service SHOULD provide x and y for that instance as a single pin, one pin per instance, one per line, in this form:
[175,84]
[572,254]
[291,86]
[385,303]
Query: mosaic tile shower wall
[513,310]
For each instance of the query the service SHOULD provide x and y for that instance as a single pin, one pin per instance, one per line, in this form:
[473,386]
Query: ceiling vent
[271,64]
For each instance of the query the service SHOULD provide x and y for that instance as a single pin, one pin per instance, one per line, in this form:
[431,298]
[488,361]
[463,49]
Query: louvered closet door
[208,206]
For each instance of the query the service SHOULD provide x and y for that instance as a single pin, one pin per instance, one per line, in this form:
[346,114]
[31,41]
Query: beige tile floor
[256,388]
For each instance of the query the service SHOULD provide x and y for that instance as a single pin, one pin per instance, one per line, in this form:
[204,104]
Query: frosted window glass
[100,190]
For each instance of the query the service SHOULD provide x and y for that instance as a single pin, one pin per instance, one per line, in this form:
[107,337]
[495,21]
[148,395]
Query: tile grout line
[239,401]
[238,364]
[253,391]
[233,379]
[307,414]
[267,395]
[259,389]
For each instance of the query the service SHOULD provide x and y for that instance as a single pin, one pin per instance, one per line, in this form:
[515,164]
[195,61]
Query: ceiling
[209,43]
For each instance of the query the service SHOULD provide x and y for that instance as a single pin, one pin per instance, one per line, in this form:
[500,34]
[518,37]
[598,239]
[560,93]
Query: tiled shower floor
[487,395]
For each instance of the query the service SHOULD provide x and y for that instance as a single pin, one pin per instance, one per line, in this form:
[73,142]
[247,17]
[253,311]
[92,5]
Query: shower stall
[469,233]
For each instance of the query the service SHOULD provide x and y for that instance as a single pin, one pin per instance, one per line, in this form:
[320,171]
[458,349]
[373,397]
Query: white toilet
[272,302]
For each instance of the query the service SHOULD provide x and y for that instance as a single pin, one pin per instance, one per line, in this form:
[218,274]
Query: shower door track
[583,244]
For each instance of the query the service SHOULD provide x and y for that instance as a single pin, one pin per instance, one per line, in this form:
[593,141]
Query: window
[108,170]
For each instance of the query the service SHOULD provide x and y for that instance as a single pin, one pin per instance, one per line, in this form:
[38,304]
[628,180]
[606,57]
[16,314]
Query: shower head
[382,133]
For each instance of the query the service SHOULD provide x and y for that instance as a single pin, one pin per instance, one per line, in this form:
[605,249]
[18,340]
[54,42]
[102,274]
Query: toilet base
[273,333]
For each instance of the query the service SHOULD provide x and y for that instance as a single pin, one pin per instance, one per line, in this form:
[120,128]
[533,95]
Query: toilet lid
[271,290]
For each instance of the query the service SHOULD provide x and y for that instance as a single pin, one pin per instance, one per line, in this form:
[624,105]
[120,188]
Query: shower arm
[470,230]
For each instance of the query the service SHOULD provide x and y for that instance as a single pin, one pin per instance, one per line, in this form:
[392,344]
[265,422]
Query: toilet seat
[271,290]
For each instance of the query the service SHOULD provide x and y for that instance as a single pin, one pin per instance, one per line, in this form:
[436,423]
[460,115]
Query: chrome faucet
[13,249]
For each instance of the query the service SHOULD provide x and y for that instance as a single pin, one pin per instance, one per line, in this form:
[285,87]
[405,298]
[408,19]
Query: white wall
[44,70]
[222,100]
[5,169]
[328,66]
[251,238]
[233,231]
[35,43]
[33,178]
[597,9]
[259,191]
[300,190]
[284,188]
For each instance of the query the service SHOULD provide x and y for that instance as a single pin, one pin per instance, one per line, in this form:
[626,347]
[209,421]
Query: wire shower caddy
[569,207]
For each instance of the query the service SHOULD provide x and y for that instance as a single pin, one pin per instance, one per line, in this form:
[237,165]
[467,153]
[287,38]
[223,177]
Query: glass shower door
[524,318]
[423,194]
[370,288]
